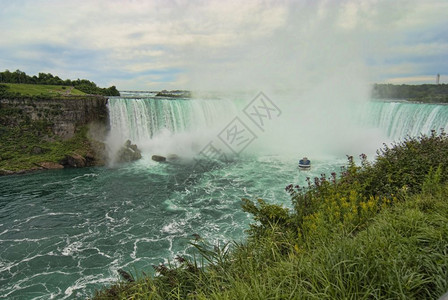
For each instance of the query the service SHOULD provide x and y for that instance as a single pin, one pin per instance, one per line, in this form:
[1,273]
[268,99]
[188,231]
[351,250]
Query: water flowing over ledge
[160,124]
[186,125]
[400,119]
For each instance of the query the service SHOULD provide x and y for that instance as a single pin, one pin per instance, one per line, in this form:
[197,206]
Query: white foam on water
[71,248]
[174,227]
[82,283]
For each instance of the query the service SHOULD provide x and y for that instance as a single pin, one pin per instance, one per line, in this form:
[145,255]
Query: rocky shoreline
[50,133]
[127,153]
[73,160]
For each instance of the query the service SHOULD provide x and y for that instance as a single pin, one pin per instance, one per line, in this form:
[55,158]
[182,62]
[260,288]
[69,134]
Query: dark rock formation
[158,158]
[129,152]
[74,160]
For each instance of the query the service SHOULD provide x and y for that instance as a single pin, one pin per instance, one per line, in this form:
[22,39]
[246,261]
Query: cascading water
[185,125]
[400,119]
[163,124]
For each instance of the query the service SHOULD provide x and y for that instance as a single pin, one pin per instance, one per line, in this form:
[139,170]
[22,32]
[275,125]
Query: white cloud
[415,80]
[219,43]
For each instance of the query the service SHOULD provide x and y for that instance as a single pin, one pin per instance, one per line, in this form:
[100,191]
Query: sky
[210,45]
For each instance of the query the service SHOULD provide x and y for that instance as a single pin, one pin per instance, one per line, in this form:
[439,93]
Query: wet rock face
[129,152]
[158,158]
[64,113]
[74,161]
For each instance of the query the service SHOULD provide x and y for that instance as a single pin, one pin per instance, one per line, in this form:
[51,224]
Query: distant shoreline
[406,101]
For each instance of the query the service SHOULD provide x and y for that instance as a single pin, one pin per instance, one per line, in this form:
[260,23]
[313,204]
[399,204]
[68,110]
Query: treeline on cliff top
[83,85]
[429,93]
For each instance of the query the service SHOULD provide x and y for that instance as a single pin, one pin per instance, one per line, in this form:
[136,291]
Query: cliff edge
[51,132]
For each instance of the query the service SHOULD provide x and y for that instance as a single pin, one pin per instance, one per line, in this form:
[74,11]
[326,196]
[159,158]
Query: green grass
[369,234]
[17,143]
[38,89]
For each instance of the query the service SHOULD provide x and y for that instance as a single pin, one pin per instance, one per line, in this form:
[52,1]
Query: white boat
[304,164]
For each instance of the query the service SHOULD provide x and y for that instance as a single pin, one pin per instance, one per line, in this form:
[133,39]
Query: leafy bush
[405,165]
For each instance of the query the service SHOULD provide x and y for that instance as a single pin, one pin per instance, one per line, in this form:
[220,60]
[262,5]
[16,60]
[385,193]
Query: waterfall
[184,126]
[400,119]
[164,125]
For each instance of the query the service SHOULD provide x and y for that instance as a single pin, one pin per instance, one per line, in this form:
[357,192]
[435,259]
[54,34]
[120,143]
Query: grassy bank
[379,231]
[25,147]
[39,90]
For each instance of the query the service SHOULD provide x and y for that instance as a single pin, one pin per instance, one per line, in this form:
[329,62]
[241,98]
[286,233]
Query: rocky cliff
[51,132]
[64,114]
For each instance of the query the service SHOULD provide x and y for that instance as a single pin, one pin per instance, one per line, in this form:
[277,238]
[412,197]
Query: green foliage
[404,166]
[268,215]
[17,143]
[431,183]
[429,93]
[13,90]
[377,232]
[82,85]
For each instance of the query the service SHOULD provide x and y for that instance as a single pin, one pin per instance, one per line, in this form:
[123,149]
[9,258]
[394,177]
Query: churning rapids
[66,233]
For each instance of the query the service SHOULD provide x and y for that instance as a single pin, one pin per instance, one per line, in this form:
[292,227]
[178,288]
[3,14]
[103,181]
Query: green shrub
[405,165]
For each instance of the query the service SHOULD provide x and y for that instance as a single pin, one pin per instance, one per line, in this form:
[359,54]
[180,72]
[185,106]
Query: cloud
[416,80]
[222,44]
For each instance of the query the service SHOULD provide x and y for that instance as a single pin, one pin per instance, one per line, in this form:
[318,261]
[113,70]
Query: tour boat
[304,164]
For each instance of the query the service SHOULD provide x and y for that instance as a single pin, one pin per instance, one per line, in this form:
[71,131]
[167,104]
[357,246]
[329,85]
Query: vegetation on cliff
[83,85]
[12,90]
[33,146]
[379,230]
[50,132]
[427,93]
[44,121]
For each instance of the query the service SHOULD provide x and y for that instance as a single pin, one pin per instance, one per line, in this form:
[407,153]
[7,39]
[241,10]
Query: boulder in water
[74,161]
[129,152]
[158,158]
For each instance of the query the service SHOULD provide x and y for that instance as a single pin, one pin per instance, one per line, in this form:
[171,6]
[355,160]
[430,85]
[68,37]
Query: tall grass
[40,89]
[347,238]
